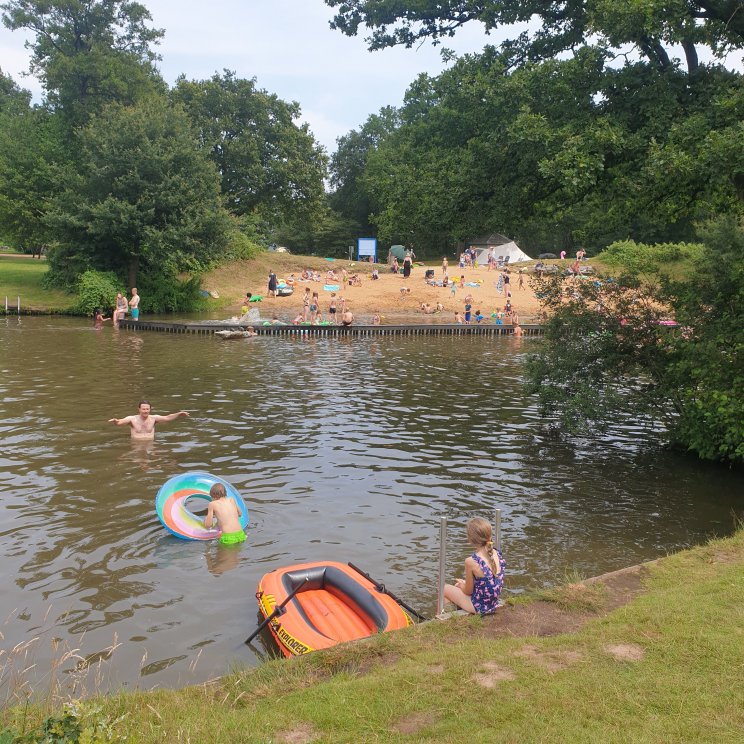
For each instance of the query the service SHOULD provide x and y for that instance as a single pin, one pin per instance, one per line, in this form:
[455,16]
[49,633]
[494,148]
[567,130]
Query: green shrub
[241,247]
[640,257]
[96,289]
[162,293]
[65,266]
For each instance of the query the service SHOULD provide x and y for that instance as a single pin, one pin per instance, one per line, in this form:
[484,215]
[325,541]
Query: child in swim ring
[227,513]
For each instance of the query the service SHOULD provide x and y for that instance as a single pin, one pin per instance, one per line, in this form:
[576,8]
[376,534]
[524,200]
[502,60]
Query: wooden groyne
[490,329]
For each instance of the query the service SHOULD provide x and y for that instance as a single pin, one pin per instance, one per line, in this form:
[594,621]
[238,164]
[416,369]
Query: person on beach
[479,592]
[376,319]
[143,423]
[272,283]
[246,303]
[407,263]
[227,513]
[468,310]
[314,306]
[347,318]
[134,304]
[306,304]
[445,264]
[332,309]
[520,285]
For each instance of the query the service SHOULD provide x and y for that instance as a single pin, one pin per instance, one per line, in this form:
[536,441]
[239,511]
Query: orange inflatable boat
[325,604]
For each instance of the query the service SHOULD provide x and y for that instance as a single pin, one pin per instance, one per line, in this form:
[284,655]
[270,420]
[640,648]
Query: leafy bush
[162,293]
[241,247]
[640,257]
[96,289]
[65,267]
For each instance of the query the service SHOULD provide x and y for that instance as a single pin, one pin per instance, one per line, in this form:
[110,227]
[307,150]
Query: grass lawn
[664,667]
[21,276]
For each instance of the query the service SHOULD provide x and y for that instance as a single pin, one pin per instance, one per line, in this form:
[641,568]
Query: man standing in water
[134,304]
[143,424]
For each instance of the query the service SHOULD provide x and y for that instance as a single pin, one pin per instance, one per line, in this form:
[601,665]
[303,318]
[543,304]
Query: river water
[344,449]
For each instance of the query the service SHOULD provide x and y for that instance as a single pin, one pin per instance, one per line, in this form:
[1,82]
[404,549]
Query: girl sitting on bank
[478,593]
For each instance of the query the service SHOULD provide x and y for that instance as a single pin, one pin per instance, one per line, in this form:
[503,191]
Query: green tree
[142,194]
[88,53]
[648,25]
[269,165]
[31,149]
[349,196]
[608,350]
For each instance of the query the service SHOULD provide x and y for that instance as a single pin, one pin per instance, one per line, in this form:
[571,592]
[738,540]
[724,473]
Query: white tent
[507,252]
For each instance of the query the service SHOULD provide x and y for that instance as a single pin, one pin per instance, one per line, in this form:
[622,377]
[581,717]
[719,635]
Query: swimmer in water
[143,423]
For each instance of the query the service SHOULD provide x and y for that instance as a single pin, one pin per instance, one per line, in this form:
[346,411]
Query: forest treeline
[583,130]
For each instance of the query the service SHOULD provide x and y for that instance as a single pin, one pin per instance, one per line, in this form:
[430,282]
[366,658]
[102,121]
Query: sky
[288,46]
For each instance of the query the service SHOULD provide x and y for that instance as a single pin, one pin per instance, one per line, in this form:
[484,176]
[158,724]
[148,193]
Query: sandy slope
[383,296]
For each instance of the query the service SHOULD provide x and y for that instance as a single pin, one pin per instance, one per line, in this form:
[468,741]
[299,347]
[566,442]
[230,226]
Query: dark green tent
[399,251]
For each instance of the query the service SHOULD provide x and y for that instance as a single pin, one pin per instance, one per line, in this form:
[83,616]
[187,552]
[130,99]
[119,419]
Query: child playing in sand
[458,318]
[478,593]
[306,303]
[227,513]
[332,308]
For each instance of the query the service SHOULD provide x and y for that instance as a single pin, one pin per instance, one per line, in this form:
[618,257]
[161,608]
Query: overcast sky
[288,46]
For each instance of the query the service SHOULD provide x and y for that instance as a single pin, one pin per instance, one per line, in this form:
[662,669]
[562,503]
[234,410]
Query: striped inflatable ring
[171,505]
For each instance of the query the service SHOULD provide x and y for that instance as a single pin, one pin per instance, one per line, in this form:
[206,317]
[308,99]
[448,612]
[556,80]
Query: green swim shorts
[232,538]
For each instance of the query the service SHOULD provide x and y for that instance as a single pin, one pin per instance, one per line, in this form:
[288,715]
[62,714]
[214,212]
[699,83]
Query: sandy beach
[382,296]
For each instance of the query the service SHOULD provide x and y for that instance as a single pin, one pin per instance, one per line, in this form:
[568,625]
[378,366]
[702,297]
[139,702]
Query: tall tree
[31,151]
[348,164]
[142,194]
[563,25]
[88,52]
[268,163]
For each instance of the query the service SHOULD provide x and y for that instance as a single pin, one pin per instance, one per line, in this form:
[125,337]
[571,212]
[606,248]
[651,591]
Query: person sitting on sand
[375,273]
[440,307]
[404,291]
[298,319]
[143,423]
[376,319]
[458,318]
[347,318]
[478,316]
[426,308]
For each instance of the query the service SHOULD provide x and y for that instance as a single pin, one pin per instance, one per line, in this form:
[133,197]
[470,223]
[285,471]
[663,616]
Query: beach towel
[331,287]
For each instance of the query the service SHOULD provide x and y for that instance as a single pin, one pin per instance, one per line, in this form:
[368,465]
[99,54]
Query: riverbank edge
[648,653]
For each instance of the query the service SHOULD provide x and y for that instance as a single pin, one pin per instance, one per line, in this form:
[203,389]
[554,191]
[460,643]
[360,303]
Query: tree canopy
[87,54]
[549,28]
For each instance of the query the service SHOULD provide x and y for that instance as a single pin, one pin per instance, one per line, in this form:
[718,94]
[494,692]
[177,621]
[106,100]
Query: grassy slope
[446,682]
[22,275]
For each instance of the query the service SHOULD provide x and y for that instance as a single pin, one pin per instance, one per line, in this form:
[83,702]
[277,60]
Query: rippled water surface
[344,449]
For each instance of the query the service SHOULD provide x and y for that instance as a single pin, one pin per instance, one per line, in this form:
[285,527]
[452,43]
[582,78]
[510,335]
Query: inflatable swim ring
[171,505]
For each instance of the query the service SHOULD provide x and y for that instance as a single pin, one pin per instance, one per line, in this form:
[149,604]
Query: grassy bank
[21,276]
[665,667]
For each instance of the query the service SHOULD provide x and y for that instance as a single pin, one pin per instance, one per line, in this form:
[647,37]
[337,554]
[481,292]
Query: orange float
[331,603]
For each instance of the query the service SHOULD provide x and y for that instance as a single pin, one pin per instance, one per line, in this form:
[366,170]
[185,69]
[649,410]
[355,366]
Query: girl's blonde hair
[480,535]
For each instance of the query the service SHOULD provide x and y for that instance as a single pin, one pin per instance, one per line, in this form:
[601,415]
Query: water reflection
[344,449]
